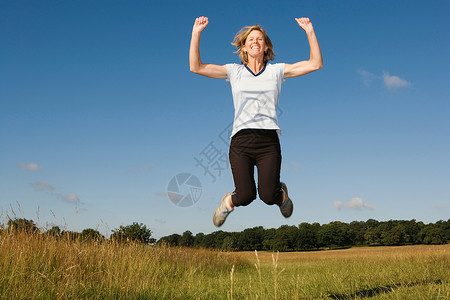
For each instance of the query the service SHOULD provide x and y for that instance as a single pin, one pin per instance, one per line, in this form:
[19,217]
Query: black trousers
[260,148]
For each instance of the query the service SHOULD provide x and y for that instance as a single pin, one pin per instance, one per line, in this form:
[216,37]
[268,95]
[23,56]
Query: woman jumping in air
[256,86]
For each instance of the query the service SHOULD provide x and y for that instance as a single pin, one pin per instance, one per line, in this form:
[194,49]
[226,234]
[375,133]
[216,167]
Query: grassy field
[35,266]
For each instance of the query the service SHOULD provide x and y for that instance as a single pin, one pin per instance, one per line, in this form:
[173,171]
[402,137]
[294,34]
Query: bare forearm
[315,55]
[194,53]
[195,62]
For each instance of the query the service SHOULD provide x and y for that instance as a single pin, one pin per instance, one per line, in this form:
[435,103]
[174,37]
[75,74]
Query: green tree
[198,239]
[412,229]
[70,235]
[356,231]
[208,241]
[277,243]
[135,232]
[230,243]
[445,227]
[334,234]
[432,234]
[251,239]
[90,234]
[22,225]
[395,236]
[219,236]
[289,234]
[371,223]
[306,237]
[170,240]
[372,236]
[54,231]
[269,237]
[187,239]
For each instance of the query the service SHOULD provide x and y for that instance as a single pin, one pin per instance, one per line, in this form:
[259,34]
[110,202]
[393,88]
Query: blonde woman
[256,86]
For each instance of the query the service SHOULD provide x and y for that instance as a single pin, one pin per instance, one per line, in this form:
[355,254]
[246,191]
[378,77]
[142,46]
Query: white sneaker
[221,213]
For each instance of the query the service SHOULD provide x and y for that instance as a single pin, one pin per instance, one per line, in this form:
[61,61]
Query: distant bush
[22,225]
[132,233]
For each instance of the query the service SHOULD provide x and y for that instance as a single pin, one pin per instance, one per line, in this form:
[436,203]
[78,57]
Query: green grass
[35,266]
[410,272]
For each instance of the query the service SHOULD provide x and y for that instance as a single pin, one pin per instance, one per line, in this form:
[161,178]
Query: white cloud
[355,203]
[339,205]
[30,166]
[358,203]
[392,82]
[42,186]
[367,77]
[71,198]
[51,190]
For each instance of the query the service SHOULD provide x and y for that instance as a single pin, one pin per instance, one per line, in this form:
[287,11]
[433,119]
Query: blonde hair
[241,37]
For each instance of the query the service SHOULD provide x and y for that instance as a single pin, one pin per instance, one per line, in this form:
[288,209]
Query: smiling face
[253,41]
[255,45]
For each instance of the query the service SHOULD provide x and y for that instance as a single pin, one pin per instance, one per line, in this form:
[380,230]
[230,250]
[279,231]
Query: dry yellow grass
[356,252]
[36,266]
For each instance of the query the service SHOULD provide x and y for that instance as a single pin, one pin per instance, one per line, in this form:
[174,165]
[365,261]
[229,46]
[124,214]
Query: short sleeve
[280,69]
[230,71]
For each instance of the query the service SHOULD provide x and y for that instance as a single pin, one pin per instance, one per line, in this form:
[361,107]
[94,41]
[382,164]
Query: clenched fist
[200,24]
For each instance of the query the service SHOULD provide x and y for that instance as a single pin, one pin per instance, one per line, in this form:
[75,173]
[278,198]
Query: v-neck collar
[259,73]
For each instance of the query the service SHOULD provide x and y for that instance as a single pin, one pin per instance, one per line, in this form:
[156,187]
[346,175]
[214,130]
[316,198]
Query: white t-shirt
[255,96]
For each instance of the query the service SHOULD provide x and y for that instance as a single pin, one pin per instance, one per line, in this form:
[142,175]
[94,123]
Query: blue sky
[99,112]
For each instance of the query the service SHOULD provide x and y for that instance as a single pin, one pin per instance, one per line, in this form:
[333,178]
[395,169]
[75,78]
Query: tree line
[303,237]
[315,236]
[132,233]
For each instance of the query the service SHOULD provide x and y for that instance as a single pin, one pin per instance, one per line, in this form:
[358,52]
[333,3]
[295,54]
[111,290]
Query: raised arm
[315,57]
[195,63]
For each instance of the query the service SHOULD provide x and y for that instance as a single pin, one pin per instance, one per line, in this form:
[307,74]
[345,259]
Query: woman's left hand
[305,24]
[315,57]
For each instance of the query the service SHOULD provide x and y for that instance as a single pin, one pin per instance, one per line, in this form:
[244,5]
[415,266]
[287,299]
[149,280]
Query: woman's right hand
[200,24]
[195,63]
